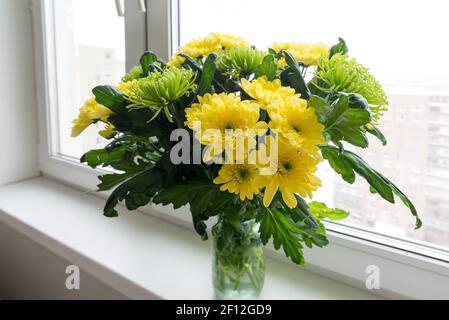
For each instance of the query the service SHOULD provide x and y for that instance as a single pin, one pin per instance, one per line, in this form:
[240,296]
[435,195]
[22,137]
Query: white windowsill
[136,254]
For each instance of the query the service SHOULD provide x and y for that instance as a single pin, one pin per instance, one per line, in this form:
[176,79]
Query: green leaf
[377,133]
[354,118]
[147,59]
[296,78]
[194,65]
[300,213]
[136,191]
[345,123]
[207,75]
[352,135]
[103,157]
[200,193]
[340,47]
[321,211]
[267,68]
[276,223]
[204,197]
[284,233]
[108,181]
[347,163]
[109,97]
[340,165]
[321,107]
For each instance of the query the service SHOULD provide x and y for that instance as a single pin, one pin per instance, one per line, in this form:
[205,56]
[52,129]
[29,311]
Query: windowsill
[138,255]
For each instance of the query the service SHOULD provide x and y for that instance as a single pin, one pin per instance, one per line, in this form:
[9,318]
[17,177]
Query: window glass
[90,50]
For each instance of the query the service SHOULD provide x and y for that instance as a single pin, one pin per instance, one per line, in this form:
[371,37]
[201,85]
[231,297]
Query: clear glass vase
[238,260]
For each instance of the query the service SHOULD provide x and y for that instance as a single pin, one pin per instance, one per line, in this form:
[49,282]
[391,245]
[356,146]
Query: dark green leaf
[207,75]
[109,181]
[321,107]
[200,193]
[377,133]
[194,65]
[284,233]
[345,123]
[277,224]
[296,78]
[354,136]
[301,212]
[136,191]
[346,163]
[340,47]
[109,97]
[103,157]
[340,165]
[147,59]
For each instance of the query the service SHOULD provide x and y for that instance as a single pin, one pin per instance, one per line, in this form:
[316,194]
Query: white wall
[30,271]
[18,123]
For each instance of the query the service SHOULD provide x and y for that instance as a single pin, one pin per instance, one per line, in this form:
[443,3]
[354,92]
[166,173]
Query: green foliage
[121,155]
[293,77]
[207,75]
[202,194]
[300,213]
[146,61]
[109,97]
[347,164]
[377,133]
[136,191]
[290,235]
[340,47]
[267,68]
[341,121]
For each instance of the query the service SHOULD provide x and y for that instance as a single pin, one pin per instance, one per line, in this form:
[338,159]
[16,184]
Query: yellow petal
[270,191]
[289,198]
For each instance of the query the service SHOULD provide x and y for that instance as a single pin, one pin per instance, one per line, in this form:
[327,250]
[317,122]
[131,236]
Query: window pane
[90,50]
[403,45]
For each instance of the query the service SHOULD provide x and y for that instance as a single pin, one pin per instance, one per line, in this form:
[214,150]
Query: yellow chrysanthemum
[126,87]
[293,173]
[215,114]
[201,47]
[265,92]
[229,41]
[90,112]
[308,53]
[241,179]
[296,123]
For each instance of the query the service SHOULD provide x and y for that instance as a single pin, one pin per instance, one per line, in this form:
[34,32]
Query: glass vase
[238,260]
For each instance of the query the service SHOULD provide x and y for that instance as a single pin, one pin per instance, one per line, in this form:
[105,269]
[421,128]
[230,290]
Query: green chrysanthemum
[159,90]
[341,73]
[241,60]
[133,74]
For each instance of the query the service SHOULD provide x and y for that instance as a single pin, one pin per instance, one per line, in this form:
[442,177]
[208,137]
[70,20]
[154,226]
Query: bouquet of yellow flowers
[237,133]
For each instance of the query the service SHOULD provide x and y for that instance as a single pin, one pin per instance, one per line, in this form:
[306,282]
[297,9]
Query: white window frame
[425,269]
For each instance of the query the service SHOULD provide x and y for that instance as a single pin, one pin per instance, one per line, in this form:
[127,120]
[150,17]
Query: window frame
[351,249]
